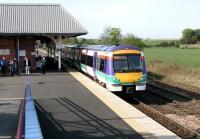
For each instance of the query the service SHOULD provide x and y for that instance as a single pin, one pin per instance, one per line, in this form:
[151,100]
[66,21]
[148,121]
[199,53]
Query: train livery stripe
[109,78]
[127,52]
[143,79]
[112,79]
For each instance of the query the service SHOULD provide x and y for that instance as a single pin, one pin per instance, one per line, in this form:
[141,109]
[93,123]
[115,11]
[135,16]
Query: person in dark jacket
[27,65]
[43,65]
[3,65]
[11,67]
[16,67]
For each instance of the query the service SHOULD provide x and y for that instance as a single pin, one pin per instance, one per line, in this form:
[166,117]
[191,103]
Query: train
[120,68]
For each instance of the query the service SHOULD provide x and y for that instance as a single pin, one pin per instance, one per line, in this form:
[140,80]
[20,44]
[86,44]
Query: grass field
[189,58]
[174,65]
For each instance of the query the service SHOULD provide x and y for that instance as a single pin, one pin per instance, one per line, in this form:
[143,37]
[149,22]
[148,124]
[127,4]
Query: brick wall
[25,43]
[28,45]
[7,43]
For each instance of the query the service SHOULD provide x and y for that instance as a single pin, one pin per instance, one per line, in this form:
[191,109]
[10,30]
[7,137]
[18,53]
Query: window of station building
[90,61]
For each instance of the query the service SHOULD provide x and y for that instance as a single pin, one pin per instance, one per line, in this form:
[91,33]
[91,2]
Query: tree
[197,33]
[190,36]
[72,41]
[111,35]
[133,40]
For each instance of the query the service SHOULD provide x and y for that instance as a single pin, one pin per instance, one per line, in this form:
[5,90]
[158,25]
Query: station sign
[22,53]
[4,51]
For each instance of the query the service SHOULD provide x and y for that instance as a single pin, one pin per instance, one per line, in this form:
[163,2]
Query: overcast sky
[144,18]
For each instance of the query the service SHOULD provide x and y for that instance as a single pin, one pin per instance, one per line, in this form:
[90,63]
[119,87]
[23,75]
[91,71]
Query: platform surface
[11,93]
[68,110]
[70,105]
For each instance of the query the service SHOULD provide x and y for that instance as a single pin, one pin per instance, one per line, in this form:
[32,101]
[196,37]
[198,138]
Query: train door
[94,64]
[100,73]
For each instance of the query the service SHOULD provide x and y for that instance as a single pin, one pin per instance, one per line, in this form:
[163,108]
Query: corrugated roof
[38,19]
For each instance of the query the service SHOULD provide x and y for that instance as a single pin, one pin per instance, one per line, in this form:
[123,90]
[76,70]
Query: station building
[22,25]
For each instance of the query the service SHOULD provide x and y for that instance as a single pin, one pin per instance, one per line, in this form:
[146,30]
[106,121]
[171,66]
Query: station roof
[26,19]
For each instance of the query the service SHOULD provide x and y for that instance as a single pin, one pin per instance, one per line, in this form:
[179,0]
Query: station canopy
[38,19]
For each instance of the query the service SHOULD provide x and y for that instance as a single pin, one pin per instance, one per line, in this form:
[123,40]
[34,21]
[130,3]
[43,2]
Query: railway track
[186,101]
[178,129]
[172,90]
[167,107]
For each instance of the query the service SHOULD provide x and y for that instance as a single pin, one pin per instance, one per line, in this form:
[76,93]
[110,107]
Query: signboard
[22,53]
[32,53]
[4,51]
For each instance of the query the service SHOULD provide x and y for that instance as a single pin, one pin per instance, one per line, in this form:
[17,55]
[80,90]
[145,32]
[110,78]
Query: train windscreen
[127,63]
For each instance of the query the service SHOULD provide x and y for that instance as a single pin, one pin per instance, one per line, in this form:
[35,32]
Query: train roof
[108,48]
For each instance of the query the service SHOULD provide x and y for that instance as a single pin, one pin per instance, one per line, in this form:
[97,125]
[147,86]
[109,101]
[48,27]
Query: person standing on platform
[15,66]
[43,65]
[3,66]
[27,65]
[11,67]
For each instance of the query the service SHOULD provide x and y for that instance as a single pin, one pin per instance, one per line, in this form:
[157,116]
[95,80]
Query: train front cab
[129,70]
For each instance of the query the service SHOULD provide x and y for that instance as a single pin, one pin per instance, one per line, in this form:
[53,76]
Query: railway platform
[70,105]
[11,94]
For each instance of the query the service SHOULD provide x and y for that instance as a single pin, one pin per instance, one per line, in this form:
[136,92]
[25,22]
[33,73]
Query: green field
[184,57]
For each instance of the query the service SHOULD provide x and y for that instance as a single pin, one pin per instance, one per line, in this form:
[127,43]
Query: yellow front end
[130,81]
[128,78]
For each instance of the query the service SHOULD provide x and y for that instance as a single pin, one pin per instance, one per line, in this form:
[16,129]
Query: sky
[155,19]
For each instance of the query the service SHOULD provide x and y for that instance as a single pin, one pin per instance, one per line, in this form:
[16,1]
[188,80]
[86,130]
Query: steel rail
[181,131]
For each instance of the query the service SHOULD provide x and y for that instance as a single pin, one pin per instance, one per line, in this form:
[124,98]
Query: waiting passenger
[43,65]
[15,66]
[11,67]
[27,65]
[3,65]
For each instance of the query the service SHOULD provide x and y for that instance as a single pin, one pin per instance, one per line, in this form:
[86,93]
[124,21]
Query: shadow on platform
[8,124]
[65,119]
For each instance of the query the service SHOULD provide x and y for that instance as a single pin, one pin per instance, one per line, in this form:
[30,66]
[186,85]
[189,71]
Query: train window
[101,65]
[134,62]
[72,54]
[79,55]
[127,63]
[82,59]
[75,54]
[90,61]
[67,52]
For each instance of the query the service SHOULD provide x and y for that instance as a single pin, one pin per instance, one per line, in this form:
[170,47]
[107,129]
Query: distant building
[21,25]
